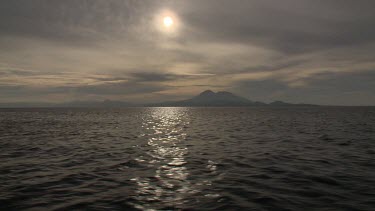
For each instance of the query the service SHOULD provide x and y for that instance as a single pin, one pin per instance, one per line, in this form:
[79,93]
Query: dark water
[188,159]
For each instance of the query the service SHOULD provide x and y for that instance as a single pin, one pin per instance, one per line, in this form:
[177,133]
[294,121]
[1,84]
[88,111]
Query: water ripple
[187,159]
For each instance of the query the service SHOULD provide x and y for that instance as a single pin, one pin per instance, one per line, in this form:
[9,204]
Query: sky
[299,51]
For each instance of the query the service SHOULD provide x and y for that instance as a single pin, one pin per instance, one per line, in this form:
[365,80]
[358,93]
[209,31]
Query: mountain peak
[222,98]
[207,92]
[278,102]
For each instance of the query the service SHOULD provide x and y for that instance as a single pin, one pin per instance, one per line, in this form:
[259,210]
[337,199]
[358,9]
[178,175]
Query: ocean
[256,158]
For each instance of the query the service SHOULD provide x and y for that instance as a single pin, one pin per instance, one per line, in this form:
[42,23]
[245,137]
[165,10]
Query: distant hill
[207,98]
[96,104]
[73,104]
[210,98]
[281,103]
[26,105]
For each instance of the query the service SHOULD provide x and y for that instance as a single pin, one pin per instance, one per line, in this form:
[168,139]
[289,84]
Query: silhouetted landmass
[97,104]
[73,104]
[281,103]
[207,98]
[27,105]
[210,98]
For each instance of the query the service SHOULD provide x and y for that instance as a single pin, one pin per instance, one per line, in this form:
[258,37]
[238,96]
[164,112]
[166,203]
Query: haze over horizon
[298,51]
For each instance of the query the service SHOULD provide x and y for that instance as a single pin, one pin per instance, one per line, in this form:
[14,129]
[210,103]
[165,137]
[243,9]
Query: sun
[167,21]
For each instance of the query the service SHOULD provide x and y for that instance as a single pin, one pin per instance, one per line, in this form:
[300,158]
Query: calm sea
[318,158]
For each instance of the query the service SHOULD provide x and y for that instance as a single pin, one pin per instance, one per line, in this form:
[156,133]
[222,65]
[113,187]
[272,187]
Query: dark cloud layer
[291,26]
[313,51]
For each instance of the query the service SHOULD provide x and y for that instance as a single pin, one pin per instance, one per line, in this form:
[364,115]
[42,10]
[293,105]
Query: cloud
[323,88]
[290,26]
[53,50]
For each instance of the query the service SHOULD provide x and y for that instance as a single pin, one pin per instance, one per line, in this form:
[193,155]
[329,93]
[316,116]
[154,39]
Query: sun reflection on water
[165,132]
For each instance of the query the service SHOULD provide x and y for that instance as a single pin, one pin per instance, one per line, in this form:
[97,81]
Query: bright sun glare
[168,21]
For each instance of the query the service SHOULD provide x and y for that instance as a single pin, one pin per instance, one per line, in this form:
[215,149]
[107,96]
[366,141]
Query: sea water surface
[317,158]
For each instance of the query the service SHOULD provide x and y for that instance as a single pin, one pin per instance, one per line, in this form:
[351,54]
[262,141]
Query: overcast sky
[310,51]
